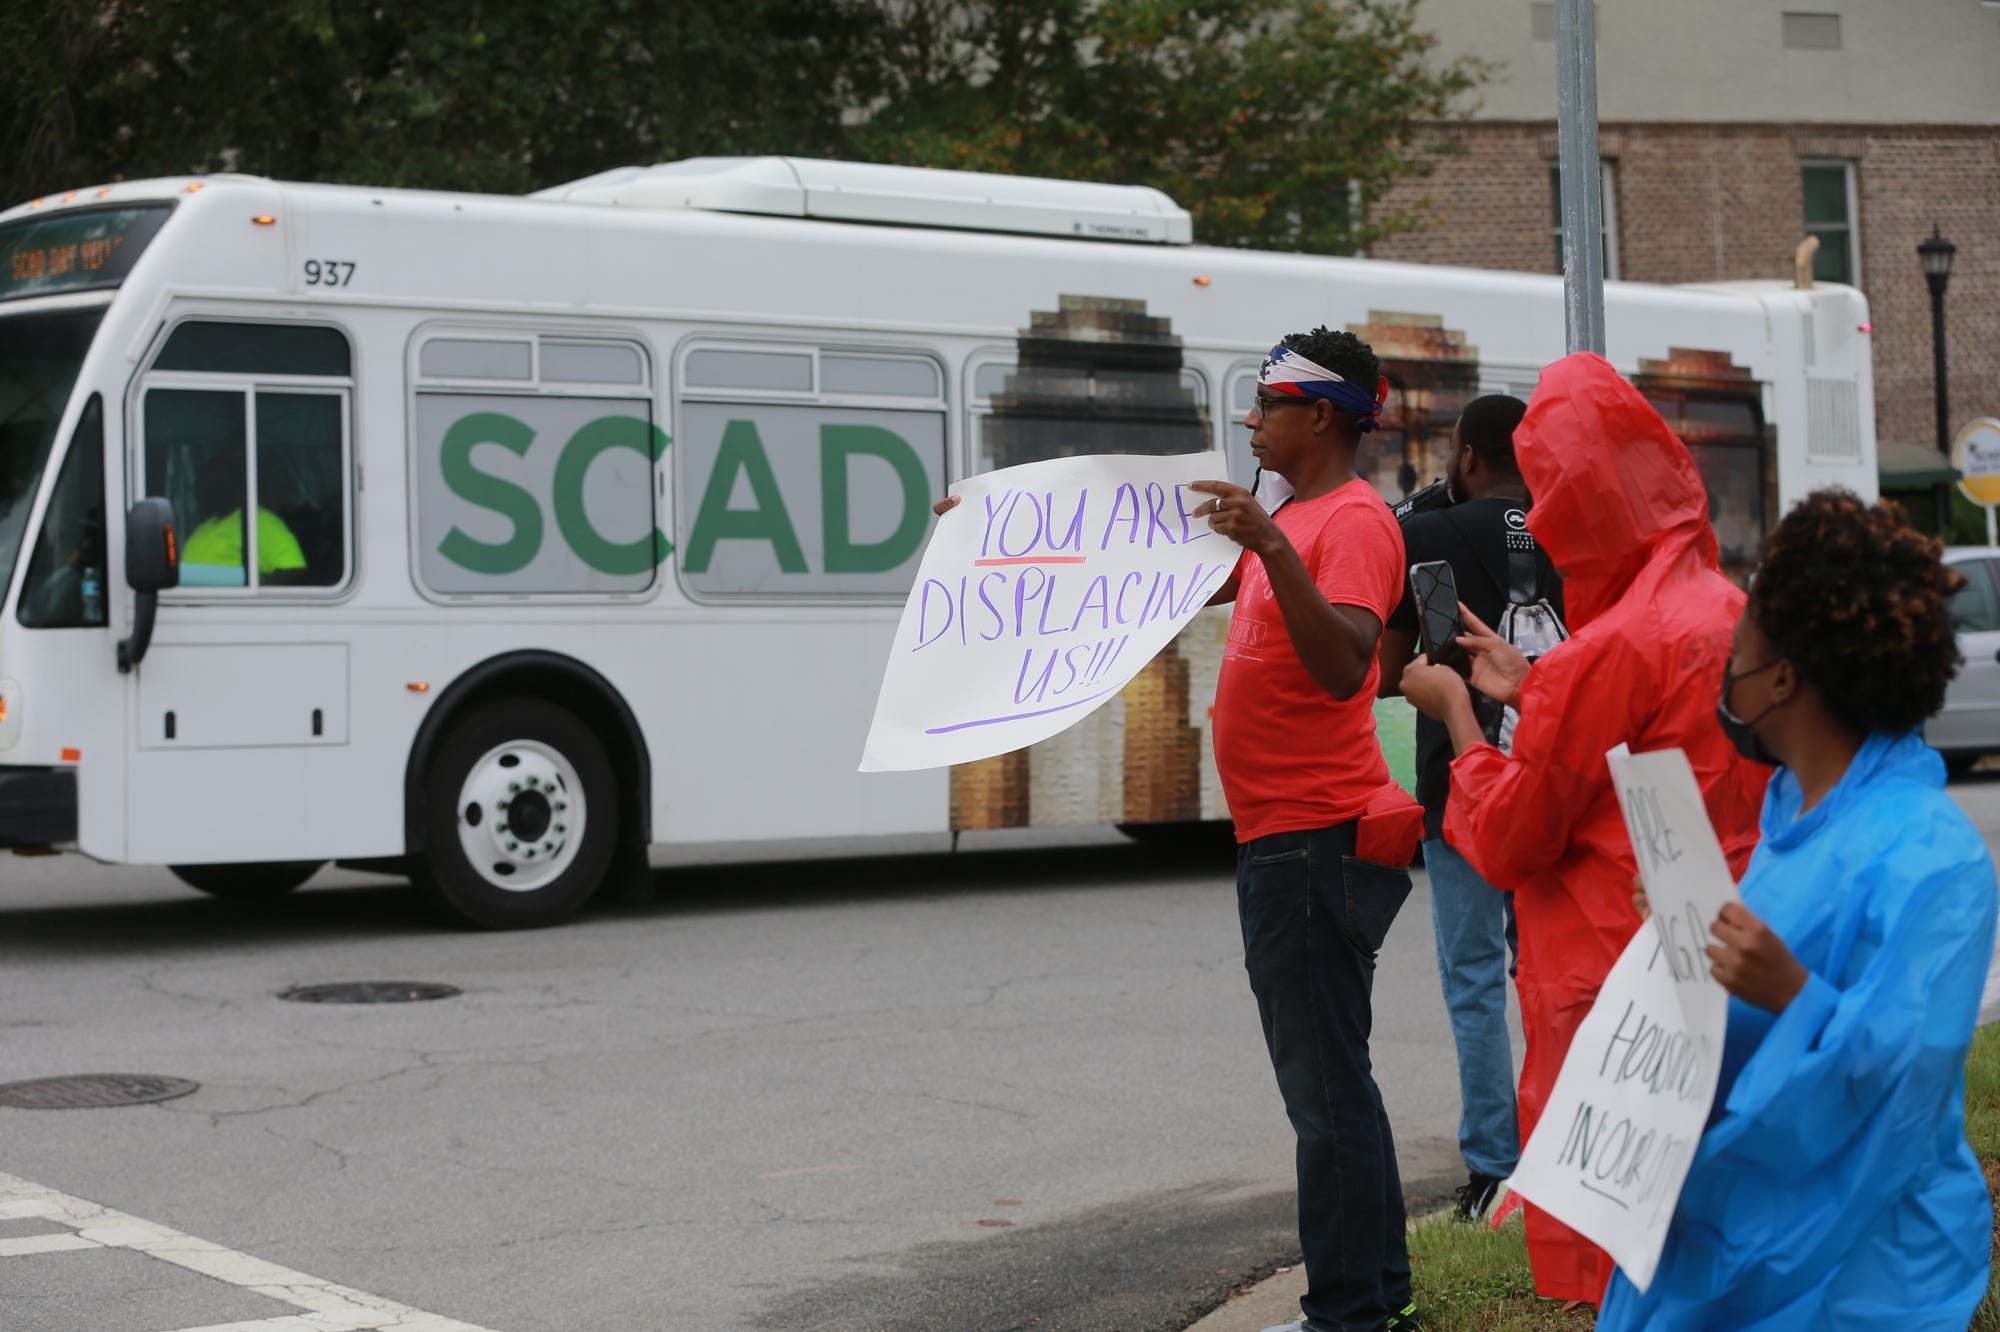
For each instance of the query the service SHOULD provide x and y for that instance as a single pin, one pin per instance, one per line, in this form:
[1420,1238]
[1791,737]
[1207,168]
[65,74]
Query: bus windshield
[40,355]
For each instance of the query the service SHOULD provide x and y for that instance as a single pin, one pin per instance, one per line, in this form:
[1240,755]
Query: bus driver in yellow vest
[213,555]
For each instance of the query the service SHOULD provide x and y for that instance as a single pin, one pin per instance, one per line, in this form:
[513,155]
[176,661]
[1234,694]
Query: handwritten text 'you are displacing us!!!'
[1031,581]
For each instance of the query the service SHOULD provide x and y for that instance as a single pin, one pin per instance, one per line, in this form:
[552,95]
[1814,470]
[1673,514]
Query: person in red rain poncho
[1621,509]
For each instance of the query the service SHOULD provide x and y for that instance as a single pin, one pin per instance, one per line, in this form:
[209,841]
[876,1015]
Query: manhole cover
[369,992]
[84,1091]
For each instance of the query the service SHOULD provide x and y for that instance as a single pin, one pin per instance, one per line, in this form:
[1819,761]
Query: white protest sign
[1614,1143]
[1039,596]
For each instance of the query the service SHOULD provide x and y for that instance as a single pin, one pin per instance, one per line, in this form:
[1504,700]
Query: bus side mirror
[152,564]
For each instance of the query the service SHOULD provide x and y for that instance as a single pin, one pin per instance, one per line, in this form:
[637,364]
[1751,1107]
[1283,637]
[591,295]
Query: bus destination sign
[85,250]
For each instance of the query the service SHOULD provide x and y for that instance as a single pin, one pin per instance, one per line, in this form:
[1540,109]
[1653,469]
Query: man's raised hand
[1236,514]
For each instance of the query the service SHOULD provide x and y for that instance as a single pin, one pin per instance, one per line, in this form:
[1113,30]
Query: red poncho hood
[1614,487]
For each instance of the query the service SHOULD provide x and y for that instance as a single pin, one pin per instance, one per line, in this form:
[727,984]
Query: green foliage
[1265,120]
[1982,1130]
[455,94]
[1469,1277]
[1982,1094]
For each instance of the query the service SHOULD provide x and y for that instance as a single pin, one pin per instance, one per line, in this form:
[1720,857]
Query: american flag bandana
[1287,372]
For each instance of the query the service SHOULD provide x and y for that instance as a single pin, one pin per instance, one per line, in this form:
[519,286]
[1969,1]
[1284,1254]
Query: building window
[1812,32]
[1830,210]
[1608,197]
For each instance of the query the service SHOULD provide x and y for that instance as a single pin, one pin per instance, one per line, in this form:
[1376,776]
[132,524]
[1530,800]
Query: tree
[1278,124]
[1269,121]
[456,94]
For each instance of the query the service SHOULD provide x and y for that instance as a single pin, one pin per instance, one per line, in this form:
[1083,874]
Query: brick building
[1730,129]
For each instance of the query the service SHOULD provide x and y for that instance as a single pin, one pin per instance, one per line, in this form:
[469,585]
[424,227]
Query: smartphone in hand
[1435,593]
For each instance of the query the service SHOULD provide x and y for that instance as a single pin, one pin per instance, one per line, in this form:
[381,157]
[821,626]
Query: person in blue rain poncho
[1833,1187]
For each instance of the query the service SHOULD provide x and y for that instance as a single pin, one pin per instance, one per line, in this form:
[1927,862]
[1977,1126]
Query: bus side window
[258,472]
[1053,408]
[301,490]
[195,458]
[65,587]
[1724,436]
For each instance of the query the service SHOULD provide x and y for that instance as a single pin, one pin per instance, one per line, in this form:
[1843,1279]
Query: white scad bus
[518,534]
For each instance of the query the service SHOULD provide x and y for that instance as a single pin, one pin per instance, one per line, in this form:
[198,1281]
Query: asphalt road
[877,1087]
[1018,1087]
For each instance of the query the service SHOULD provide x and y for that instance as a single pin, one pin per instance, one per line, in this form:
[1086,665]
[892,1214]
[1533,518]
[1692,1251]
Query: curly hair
[1860,604]
[1341,352]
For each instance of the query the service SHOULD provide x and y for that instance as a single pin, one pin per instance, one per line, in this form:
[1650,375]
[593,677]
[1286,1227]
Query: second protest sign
[1614,1143]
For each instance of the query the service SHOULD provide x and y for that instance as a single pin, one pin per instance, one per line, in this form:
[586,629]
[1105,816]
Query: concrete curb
[1272,1301]
[1275,1299]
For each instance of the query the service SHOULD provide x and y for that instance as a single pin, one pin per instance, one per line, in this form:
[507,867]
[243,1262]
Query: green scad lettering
[489,492]
[584,448]
[742,451]
[839,445]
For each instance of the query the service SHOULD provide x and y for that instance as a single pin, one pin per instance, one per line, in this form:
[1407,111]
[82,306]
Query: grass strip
[1470,1278]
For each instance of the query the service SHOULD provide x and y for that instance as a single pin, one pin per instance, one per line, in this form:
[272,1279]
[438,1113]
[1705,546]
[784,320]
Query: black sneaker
[1475,1196]
[1405,1319]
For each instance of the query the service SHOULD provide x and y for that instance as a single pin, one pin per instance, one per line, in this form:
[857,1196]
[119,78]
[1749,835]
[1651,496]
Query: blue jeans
[1313,917]
[1475,944]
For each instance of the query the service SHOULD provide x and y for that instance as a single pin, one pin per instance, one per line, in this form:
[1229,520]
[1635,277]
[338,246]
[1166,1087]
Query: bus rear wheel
[264,881]
[520,816]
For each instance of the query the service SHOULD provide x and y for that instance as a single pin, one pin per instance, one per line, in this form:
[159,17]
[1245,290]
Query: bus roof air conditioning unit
[895,195]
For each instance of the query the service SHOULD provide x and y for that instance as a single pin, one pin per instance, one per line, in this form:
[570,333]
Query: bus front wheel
[520,816]
[261,882]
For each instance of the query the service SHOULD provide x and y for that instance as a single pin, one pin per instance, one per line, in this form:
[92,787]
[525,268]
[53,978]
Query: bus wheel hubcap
[520,815]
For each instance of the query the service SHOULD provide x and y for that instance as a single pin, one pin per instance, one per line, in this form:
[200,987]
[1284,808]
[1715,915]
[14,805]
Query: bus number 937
[329,272]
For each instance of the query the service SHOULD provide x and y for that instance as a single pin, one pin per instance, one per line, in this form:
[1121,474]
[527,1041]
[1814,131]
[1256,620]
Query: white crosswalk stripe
[29,1244]
[324,1306]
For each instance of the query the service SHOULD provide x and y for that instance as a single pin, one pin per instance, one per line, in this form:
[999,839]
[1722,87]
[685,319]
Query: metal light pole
[1937,254]
[1582,193]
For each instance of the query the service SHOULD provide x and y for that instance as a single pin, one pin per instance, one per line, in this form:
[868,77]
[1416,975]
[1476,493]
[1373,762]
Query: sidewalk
[1270,1302]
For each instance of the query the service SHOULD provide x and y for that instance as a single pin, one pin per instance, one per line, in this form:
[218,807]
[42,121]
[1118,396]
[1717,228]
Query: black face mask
[1741,733]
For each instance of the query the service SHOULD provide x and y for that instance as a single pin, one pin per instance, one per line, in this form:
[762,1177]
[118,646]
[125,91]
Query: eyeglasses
[1266,402]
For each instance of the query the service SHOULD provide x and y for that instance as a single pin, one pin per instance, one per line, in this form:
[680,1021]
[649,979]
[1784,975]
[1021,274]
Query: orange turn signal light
[418,686]
[1201,282]
[263,219]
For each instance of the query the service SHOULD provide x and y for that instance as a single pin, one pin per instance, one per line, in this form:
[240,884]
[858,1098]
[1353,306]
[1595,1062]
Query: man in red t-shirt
[1325,836]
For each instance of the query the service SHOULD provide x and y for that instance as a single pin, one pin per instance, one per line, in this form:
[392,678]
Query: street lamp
[1937,254]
